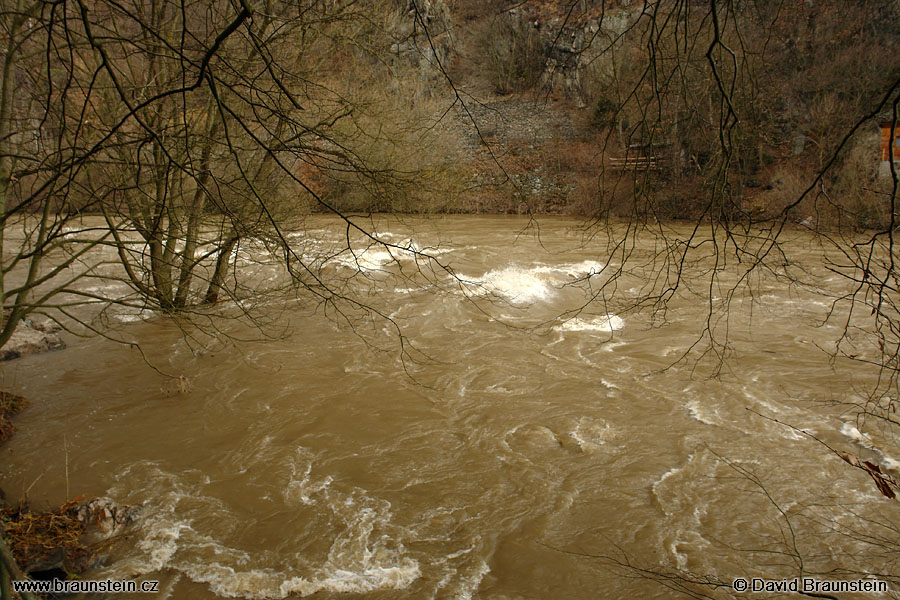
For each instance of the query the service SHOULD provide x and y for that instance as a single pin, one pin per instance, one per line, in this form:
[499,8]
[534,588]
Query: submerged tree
[193,130]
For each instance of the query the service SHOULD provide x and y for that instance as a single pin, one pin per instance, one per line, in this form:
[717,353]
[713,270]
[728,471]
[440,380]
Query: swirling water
[527,452]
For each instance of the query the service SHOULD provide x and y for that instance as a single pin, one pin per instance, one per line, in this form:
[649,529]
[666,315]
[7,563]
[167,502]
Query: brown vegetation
[790,98]
[40,542]
[47,540]
[10,404]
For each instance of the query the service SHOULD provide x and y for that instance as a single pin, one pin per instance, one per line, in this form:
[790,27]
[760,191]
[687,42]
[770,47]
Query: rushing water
[521,459]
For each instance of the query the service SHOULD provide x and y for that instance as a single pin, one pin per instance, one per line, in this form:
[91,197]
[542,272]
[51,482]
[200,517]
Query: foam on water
[659,482]
[529,284]
[365,554]
[115,290]
[605,324]
[519,285]
[849,430]
[609,384]
[300,488]
[702,413]
[683,506]
[531,439]
[167,587]
[132,315]
[467,584]
[369,259]
[610,346]
[375,256]
[865,440]
[585,268]
[590,434]
[263,584]
[790,434]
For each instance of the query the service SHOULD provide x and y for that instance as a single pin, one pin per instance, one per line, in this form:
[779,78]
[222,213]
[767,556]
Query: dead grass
[47,537]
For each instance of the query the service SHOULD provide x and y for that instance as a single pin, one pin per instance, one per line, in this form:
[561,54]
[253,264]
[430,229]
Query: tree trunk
[195,211]
[215,282]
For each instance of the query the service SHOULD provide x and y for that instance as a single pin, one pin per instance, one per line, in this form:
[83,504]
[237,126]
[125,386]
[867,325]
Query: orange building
[886,140]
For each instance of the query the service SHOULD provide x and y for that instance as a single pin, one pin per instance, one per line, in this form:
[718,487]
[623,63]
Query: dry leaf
[885,484]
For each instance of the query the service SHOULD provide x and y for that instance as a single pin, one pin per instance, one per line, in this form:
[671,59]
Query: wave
[700,410]
[584,268]
[519,285]
[531,284]
[188,531]
[365,260]
[606,324]
[590,434]
[685,502]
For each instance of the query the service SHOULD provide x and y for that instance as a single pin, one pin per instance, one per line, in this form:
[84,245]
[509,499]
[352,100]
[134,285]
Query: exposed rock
[576,40]
[514,121]
[46,326]
[424,37]
[105,516]
[32,338]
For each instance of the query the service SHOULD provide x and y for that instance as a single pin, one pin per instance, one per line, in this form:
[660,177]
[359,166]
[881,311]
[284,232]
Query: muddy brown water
[515,463]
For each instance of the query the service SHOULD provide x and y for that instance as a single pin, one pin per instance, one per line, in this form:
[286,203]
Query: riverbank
[36,542]
[541,153]
[59,543]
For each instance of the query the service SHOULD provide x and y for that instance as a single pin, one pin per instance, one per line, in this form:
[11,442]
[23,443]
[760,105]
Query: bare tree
[715,106]
[194,130]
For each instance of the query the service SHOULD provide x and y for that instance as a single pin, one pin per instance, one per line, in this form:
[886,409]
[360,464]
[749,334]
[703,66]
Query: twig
[884,482]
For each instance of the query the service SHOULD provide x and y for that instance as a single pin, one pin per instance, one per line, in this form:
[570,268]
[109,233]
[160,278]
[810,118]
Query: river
[510,455]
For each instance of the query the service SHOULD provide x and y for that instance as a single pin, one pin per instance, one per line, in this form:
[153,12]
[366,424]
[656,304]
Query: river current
[509,454]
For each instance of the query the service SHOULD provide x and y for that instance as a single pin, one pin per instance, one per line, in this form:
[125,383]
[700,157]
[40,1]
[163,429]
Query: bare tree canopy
[748,119]
[195,130]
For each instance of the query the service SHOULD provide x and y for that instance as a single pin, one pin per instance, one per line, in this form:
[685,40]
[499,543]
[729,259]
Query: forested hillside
[647,80]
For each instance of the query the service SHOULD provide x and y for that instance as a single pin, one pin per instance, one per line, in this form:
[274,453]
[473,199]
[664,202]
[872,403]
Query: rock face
[428,52]
[32,338]
[577,46]
[575,38]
